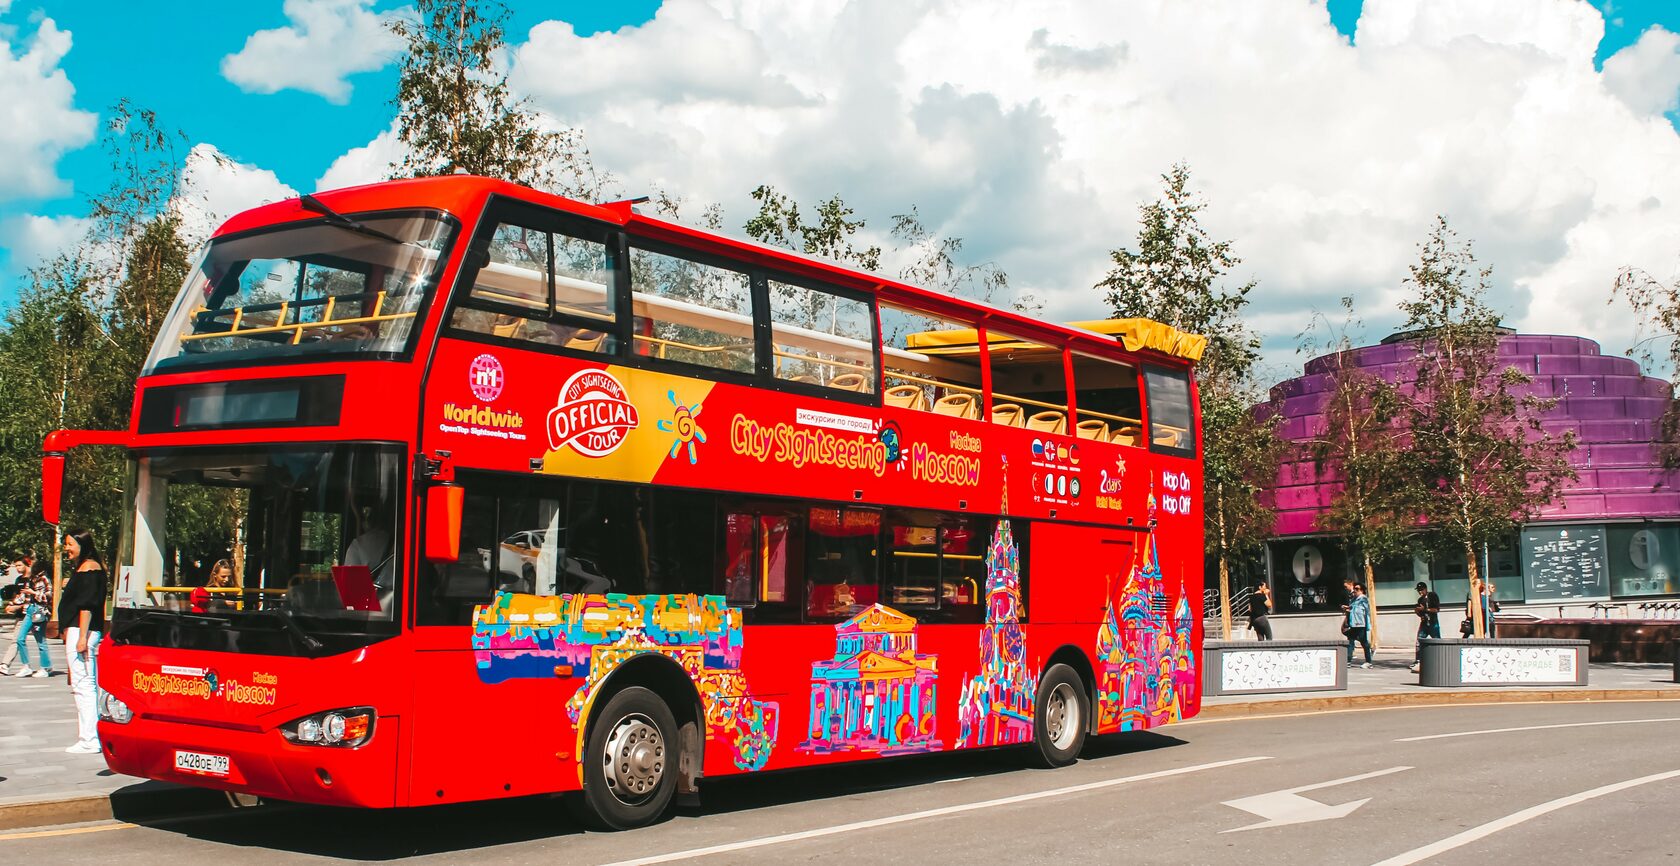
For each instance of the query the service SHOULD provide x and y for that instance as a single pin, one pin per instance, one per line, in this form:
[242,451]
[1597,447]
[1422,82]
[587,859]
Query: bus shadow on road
[380,835]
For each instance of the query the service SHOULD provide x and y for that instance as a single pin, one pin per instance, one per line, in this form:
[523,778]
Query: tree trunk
[1371,595]
[1224,598]
[1478,628]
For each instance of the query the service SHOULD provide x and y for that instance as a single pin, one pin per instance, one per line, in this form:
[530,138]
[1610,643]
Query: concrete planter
[1250,667]
[1504,662]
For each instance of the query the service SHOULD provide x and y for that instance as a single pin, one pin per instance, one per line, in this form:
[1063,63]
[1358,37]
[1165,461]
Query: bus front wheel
[1059,717]
[630,769]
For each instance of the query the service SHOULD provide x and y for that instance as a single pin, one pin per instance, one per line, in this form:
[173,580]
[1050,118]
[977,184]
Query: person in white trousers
[82,609]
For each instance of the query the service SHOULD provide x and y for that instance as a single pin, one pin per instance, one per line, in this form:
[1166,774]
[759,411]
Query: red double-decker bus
[523,495]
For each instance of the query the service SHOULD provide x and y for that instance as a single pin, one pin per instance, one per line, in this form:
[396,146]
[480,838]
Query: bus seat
[1048,421]
[848,382]
[1168,438]
[1127,435]
[957,406]
[584,343]
[506,326]
[1092,429]
[1008,414]
[802,379]
[906,397]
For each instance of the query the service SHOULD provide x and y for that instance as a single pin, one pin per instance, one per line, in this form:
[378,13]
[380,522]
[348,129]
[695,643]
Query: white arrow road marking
[1281,808]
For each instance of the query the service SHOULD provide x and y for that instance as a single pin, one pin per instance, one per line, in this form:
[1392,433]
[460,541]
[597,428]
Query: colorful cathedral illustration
[1146,669]
[877,694]
[996,704]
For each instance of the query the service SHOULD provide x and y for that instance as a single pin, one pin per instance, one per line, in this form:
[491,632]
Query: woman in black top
[1259,606]
[82,609]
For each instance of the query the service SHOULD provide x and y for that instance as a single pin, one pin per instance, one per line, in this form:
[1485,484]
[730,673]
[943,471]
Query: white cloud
[38,119]
[1035,131]
[366,164]
[1646,74]
[32,239]
[325,42]
[214,187]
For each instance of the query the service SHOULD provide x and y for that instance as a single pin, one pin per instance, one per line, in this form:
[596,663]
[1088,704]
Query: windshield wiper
[311,646]
[337,219]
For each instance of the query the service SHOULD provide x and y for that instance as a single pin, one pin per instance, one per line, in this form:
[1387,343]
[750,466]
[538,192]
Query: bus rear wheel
[1059,716]
[630,762]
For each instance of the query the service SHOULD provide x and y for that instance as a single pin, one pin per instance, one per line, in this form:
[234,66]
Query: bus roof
[465,194]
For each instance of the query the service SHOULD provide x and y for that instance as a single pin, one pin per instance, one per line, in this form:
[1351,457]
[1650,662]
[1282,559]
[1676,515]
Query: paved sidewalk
[1391,675]
[37,721]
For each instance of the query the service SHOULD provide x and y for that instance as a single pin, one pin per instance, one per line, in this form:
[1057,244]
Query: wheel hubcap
[1061,716]
[634,759]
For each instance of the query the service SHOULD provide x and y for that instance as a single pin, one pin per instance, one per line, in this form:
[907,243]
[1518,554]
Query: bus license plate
[201,764]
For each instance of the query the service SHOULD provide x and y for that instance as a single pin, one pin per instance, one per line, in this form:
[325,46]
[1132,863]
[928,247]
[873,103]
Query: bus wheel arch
[670,684]
[1074,657]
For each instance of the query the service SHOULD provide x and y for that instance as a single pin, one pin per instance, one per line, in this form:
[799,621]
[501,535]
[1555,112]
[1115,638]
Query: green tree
[1178,275]
[1483,462]
[934,266]
[832,236]
[456,113]
[1361,451]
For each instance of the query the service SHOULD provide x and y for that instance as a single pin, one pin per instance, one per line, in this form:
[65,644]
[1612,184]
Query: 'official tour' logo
[593,415]
[486,377]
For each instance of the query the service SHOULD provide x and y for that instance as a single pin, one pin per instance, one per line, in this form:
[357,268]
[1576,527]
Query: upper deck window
[822,338]
[1169,411]
[308,288]
[692,312]
[541,286]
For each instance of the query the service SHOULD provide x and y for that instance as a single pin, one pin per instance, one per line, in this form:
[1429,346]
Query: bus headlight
[112,709]
[346,728]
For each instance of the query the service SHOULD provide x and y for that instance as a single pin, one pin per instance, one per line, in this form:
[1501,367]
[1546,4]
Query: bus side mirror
[52,485]
[443,522]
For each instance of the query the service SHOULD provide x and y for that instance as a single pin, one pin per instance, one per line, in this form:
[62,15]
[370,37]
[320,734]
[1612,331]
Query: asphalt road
[1599,785]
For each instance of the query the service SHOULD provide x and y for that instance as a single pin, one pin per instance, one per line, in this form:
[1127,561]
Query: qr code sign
[1566,663]
[1326,666]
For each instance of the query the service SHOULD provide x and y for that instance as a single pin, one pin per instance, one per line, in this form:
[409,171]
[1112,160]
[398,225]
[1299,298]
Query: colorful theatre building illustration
[1146,671]
[995,706]
[877,694]
[522,636]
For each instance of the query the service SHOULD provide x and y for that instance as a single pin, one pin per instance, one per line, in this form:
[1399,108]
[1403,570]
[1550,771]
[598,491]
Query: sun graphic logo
[486,377]
[683,428]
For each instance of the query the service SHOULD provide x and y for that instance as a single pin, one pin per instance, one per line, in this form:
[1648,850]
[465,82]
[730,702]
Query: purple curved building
[1613,535]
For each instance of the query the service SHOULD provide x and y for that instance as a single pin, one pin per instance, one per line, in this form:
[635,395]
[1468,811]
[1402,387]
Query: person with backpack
[1358,622]
[1429,620]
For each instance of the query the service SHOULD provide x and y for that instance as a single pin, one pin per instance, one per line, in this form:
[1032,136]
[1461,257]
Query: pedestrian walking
[1358,622]
[1429,620]
[34,597]
[83,609]
[1490,606]
[14,583]
[1259,608]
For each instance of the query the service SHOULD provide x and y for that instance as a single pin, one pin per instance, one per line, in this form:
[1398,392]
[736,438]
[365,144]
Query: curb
[1429,699]
[136,802]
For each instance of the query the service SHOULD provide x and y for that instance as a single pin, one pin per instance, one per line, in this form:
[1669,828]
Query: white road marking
[1280,808]
[1533,728]
[1417,855]
[928,813]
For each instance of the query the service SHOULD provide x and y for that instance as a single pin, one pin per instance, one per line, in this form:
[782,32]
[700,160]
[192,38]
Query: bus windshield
[343,285]
[238,535]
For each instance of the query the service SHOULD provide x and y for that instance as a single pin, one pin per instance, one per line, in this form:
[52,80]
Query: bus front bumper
[261,763]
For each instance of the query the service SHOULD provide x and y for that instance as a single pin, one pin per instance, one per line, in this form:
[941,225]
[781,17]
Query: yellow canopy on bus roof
[1135,334]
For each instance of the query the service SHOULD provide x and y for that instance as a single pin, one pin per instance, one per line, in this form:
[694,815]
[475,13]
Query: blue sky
[997,120]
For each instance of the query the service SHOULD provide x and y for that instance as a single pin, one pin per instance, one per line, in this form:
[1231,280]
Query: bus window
[822,338]
[936,566]
[840,573]
[692,312]
[1029,384]
[760,564]
[1169,411]
[448,591]
[526,559]
[1109,403]
[637,540]
[542,287]
[933,364]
